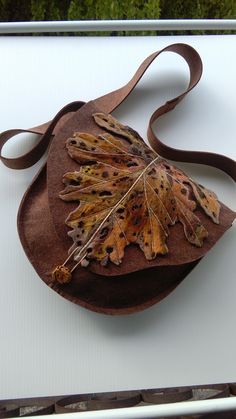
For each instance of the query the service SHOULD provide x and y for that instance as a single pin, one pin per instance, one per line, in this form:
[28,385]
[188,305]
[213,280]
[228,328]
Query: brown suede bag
[84,139]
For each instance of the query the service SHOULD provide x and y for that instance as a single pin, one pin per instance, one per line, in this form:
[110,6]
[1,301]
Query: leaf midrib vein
[116,206]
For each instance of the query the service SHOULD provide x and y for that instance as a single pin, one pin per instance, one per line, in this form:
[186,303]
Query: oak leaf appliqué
[128,194]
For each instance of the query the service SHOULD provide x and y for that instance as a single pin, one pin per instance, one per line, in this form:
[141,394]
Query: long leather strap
[112,100]
[219,161]
[45,131]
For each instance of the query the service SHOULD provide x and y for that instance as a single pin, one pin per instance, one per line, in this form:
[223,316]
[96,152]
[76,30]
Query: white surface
[50,346]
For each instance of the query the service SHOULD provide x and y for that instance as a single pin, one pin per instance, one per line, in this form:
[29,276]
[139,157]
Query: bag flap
[180,250]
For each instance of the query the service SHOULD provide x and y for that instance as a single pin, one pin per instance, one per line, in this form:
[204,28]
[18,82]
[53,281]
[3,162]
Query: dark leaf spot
[201,193]
[82,145]
[104,232]
[105,193]
[74,182]
[105,174]
[120,210]
[131,164]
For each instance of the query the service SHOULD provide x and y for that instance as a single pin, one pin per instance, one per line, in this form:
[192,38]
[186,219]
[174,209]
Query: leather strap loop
[45,130]
[112,100]
[219,161]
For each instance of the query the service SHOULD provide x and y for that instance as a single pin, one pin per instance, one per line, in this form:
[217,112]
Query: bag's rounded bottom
[124,294]
[104,294]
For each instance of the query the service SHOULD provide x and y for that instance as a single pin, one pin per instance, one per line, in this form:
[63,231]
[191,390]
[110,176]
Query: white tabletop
[50,346]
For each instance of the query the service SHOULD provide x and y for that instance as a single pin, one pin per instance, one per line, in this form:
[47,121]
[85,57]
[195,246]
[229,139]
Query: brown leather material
[99,293]
[104,292]
[219,161]
[112,100]
[134,260]
[41,217]
[46,131]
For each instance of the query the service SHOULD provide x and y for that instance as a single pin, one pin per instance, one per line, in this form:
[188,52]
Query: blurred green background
[33,10]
